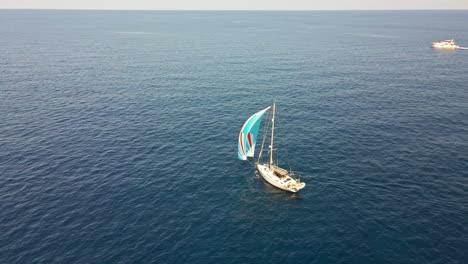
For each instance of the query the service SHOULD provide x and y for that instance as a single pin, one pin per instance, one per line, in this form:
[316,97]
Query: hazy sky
[236,4]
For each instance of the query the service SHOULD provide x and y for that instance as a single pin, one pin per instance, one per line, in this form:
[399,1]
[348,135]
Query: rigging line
[288,160]
[251,163]
[285,150]
[264,137]
[277,157]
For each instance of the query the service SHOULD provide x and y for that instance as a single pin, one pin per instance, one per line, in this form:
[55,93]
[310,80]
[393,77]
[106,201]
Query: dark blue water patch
[118,137]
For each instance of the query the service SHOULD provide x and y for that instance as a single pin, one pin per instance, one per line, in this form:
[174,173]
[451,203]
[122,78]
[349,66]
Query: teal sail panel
[248,135]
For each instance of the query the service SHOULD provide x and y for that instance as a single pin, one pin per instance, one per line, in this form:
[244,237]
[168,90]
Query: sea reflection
[261,202]
[445,51]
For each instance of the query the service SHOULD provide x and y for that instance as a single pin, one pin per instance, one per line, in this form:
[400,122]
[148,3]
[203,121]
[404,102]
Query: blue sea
[118,136]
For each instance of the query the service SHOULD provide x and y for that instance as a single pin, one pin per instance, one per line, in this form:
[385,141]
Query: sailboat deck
[284,182]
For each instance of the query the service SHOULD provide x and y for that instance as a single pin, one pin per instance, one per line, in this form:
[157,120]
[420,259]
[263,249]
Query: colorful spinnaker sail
[248,135]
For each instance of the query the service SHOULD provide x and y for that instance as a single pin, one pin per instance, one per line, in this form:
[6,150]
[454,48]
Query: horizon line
[105,9]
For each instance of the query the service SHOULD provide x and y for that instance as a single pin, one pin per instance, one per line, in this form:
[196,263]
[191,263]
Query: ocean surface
[118,136]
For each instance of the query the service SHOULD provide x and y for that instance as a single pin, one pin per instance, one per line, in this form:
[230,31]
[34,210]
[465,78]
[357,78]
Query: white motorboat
[446,44]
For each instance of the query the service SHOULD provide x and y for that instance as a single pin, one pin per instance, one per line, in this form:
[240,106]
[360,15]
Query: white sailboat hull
[286,183]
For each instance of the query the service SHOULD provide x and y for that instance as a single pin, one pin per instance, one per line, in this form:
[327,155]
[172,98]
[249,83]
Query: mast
[272,135]
[263,141]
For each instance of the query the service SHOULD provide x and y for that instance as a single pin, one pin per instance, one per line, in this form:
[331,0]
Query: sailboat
[270,171]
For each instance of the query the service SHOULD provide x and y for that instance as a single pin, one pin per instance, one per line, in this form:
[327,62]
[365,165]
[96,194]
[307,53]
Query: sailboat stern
[298,187]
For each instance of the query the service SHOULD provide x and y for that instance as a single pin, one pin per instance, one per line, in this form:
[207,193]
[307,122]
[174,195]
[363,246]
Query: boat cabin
[280,172]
